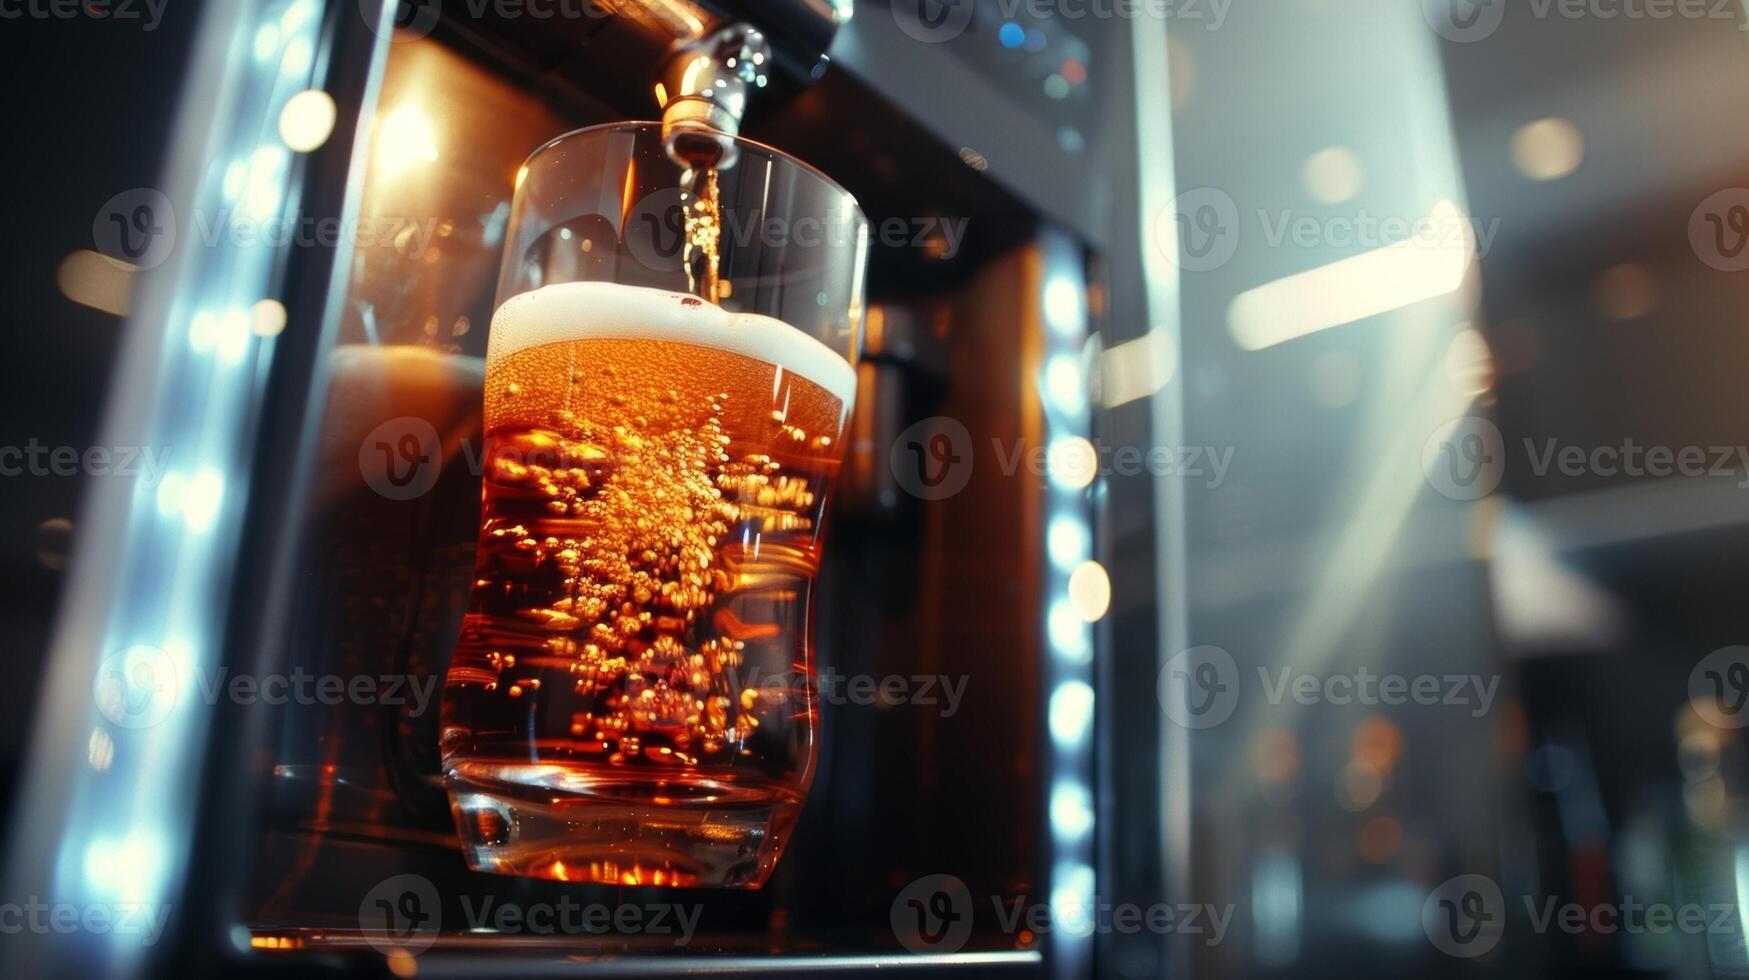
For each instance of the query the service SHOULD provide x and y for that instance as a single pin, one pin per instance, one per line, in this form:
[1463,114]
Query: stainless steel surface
[707,83]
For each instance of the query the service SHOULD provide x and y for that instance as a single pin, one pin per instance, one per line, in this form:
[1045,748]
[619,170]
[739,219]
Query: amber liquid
[631,700]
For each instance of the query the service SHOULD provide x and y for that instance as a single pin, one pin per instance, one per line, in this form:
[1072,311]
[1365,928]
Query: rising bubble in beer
[630,690]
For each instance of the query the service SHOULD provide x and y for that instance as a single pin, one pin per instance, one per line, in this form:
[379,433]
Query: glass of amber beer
[668,379]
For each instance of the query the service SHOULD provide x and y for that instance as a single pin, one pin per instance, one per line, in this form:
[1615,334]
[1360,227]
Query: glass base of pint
[578,824]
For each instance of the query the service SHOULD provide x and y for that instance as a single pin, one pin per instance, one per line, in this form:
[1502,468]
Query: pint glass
[668,378]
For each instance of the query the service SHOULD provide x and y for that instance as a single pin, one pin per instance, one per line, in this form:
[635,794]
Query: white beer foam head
[615,311]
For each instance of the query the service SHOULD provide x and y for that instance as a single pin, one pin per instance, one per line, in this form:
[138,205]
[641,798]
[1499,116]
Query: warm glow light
[1332,176]
[1072,901]
[405,139]
[266,42]
[1068,541]
[1073,462]
[1469,363]
[1090,591]
[1071,712]
[1181,71]
[1063,381]
[267,318]
[100,750]
[307,120]
[128,868]
[1627,291]
[1063,307]
[263,185]
[98,281]
[1071,810]
[296,61]
[235,174]
[1138,368]
[233,335]
[1548,149]
[1068,632]
[202,329]
[1356,288]
[200,501]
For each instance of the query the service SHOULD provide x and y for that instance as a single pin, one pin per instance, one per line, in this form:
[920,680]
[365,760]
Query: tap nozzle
[705,85]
